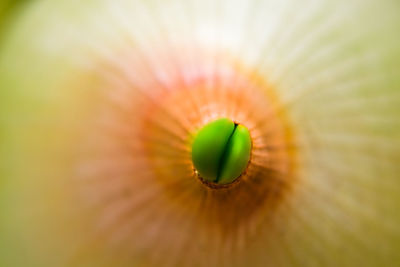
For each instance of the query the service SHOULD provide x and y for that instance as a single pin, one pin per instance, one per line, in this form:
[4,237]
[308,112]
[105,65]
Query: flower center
[221,151]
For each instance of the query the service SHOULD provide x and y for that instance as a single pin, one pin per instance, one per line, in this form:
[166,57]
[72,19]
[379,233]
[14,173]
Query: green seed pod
[221,151]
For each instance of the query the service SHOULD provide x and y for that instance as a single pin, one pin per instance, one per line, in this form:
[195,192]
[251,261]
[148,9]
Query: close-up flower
[200,133]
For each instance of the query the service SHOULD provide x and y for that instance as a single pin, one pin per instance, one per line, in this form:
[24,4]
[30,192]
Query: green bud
[221,151]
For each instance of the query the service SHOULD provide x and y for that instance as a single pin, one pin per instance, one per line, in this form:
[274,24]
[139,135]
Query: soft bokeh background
[99,99]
